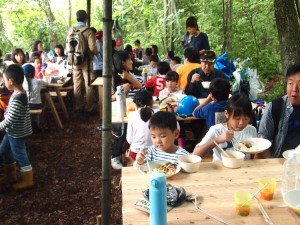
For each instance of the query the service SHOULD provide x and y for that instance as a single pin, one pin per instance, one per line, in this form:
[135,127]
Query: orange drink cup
[268,192]
[242,202]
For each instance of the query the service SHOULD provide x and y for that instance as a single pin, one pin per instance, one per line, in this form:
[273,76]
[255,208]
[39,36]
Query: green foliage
[278,91]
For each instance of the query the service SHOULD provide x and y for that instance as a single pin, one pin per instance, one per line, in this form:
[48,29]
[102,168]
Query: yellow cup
[240,198]
[268,192]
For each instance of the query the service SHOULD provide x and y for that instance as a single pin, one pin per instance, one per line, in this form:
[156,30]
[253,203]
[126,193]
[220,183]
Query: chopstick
[225,153]
[264,213]
[197,206]
[259,190]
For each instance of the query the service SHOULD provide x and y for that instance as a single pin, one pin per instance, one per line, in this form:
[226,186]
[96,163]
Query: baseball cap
[208,56]
[28,69]
[81,14]
[99,33]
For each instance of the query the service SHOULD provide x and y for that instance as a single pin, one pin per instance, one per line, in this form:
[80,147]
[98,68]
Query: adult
[198,39]
[191,61]
[122,64]
[146,56]
[98,59]
[18,56]
[139,51]
[83,74]
[38,47]
[206,72]
[154,49]
[283,130]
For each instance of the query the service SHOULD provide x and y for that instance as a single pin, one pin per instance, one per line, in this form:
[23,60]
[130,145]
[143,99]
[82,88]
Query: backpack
[76,46]
[276,111]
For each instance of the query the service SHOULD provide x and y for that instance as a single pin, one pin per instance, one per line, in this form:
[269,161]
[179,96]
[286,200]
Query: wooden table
[216,185]
[99,82]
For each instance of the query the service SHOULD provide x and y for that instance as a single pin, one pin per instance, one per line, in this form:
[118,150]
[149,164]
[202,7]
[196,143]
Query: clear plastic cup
[242,205]
[267,192]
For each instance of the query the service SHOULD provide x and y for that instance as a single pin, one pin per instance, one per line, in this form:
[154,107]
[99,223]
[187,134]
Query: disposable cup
[242,205]
[268,192]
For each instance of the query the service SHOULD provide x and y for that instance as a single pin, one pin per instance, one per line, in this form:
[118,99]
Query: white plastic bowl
[236,161]
[189,163]
[205,84]
[292,199]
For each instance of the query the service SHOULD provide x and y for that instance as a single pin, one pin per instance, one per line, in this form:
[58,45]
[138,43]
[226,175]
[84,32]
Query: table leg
[53,109]
[61,102]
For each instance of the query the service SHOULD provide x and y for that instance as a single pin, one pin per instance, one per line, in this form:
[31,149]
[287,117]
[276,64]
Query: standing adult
[206,72]
[198,39]
[98,59]
[83,73]
[280,122]
[39,48]
[139,51]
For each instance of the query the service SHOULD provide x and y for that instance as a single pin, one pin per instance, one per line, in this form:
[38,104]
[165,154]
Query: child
[175,63]
[164,131]
[138,134]
[152,66]
[17,126]
[171,88]
[37,63]
[158,82]
[238,113]
[214,105]
[32,87]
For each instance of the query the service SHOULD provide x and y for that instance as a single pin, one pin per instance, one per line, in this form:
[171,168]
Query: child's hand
[140,157]
[226,136]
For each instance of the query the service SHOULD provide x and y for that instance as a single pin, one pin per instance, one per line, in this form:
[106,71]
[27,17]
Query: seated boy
[163,131]
[214,105]
[175,63]
[157,83]
[171,88]
[152,66]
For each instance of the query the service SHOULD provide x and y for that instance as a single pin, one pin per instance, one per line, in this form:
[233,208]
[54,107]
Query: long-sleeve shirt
[17,122]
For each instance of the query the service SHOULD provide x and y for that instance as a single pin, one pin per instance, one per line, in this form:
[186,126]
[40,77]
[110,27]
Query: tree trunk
[227,21]
[288,32]
[70,14]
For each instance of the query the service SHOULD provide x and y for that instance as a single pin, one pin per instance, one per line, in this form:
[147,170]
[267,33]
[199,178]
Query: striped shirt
[17,122]
[155,154]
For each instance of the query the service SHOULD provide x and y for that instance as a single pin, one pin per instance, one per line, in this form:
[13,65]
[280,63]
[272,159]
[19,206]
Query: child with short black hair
[17,126]
[175,63]
[152,66]
[171,88]
[158,82]
[238,113]
[164,131]
[214,105]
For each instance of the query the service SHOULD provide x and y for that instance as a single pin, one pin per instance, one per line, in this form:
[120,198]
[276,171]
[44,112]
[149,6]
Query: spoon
[259,190]
[225,153]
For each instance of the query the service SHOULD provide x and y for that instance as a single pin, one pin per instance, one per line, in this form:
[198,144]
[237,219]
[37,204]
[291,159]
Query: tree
[288,31]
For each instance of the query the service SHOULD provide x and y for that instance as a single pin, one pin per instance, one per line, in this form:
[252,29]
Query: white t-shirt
[138,134]
[155,154]
[248,132]
[178,93]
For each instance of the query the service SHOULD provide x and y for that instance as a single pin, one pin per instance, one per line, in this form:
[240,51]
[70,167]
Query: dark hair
[220,89]
[118,58]
[14,72]
[35,45]
[292,70]
[163,120]
[61,49]
[191,22]
[192,55]
[163,68]
[148,52]
[172,76]
[238,105]
[171,54]
[35,54]
[143,99]
[155,49]
[128,48]
[153,58]
[137,41]
[113,43]
[16,52]
[7,57]
[176,59]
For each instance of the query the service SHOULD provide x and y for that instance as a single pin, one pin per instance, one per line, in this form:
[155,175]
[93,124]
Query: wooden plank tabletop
[216,185]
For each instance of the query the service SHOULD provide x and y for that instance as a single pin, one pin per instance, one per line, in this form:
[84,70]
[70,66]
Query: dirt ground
[67,175]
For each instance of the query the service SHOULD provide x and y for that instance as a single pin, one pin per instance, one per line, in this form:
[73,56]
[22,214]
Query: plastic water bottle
[144,75]
[121,101]
[290,175]
[158,199]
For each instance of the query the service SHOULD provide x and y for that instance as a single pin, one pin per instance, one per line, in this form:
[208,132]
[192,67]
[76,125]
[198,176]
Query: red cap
[99,33]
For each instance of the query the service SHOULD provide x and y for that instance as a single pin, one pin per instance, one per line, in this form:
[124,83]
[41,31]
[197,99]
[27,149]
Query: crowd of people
[151,134]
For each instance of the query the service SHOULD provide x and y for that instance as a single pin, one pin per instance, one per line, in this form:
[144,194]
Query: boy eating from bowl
[163,131]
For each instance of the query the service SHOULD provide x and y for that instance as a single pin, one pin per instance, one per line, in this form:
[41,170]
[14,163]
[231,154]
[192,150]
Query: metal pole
[106,114]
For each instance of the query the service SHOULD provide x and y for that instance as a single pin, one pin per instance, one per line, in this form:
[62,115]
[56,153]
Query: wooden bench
[36,111]
[54,94]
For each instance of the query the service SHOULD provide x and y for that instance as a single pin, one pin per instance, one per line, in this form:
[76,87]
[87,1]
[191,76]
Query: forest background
[265,33]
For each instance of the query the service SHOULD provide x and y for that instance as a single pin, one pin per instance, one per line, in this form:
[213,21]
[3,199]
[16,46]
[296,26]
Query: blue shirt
[208,112]
[200,42]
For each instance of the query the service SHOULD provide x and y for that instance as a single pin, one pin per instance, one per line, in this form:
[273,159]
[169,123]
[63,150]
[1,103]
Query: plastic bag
[256,86]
